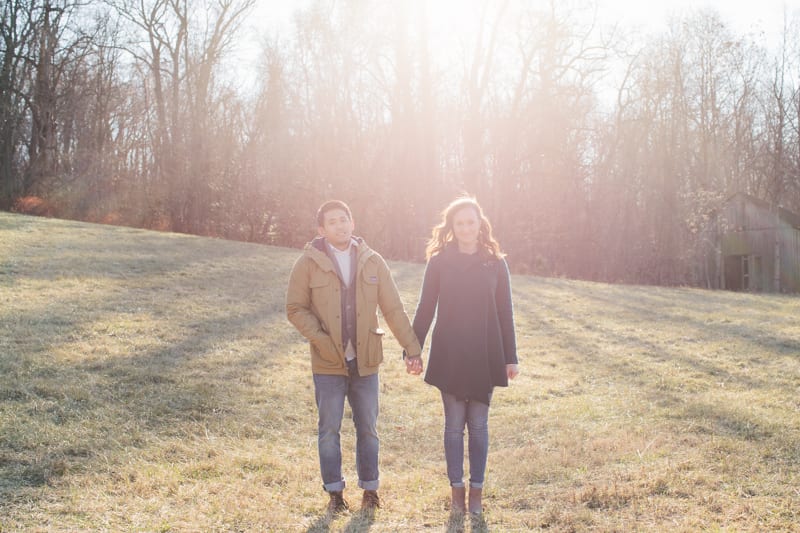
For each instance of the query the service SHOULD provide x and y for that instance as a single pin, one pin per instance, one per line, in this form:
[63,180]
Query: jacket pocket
[320,285]
[375,346]
[324,353]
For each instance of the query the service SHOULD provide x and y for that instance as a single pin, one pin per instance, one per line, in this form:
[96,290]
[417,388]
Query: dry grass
[149,382]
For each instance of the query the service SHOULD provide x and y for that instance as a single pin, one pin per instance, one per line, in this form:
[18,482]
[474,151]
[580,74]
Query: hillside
[150,382]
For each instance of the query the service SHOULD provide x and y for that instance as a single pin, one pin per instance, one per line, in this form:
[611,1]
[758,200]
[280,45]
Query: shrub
[33,205]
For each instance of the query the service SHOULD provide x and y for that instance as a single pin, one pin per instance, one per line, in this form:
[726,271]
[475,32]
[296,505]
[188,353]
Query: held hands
[414,365]
[512,371]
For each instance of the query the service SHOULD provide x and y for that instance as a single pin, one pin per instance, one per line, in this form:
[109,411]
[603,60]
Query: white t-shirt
[343,258]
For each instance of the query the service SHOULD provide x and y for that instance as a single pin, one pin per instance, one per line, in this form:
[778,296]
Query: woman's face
[466,226]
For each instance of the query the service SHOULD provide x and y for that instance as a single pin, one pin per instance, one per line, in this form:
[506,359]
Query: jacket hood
[316,251]
[319,243]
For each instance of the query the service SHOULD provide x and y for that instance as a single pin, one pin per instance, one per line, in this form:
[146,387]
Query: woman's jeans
[362,394]
[475,416]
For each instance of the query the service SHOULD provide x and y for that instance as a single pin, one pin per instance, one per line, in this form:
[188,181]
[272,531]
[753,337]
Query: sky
[761,18]
[743,16]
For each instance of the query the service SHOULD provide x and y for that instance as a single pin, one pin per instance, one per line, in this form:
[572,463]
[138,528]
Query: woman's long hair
[442,233]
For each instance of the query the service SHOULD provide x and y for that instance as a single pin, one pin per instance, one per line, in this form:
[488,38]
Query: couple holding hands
[335,289]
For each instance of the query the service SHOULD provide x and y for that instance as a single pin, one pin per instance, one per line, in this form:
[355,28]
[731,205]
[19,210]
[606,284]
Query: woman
[473,346]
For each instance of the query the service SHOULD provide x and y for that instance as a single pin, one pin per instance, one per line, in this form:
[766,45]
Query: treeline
[597,155]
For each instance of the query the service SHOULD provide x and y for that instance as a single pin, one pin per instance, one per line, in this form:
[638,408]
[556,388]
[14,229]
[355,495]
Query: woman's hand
[512,371]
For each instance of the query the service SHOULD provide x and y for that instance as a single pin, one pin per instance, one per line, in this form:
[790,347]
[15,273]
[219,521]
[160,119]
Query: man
[334,291]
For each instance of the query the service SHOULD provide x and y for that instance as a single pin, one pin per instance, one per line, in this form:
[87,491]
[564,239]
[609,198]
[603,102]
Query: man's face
[337,228]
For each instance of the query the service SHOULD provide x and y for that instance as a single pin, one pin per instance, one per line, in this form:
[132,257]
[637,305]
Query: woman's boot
[457,504]
[475,504]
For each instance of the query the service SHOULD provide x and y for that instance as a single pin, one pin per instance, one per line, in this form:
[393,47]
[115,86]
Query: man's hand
[414,365]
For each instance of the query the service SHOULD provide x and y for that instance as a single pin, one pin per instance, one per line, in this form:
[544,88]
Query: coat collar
[451,250]
[461,262]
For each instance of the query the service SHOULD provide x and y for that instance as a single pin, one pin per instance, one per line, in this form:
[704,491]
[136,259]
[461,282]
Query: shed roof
[789,217]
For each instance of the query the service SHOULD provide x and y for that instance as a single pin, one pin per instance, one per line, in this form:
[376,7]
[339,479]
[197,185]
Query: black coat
[473,339]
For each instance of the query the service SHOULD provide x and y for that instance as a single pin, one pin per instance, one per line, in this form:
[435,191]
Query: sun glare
[452,20]
[454,25]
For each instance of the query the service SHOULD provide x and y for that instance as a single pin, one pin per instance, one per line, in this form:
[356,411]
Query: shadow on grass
[745,316]
[125,402]
[321,524]
[456,522]
[86,412]
[478,523]
[652,312]
[360,521]
[666,372]
[205,295]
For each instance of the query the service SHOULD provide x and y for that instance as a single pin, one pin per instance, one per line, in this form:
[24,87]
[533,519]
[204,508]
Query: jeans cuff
[474,485]
[334,487]
[369,485]
[458,485]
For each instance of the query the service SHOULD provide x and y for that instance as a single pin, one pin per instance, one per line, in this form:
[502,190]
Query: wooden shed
[755,247]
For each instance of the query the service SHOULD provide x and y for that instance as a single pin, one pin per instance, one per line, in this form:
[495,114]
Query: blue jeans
[362,394]
[475,416]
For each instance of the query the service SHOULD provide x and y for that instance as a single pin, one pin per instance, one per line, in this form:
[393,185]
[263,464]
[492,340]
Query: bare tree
[180,46]
[18,24]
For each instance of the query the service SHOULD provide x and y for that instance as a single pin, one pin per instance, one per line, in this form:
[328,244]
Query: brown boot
[370,501]
[475,504]
[457,504]
[337,504]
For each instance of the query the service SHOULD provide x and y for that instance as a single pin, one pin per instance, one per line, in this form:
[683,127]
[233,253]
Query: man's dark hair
[330,205]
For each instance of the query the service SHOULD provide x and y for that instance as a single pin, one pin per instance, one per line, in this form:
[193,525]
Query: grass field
[150,382]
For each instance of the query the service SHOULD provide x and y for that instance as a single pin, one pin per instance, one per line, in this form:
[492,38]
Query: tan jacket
[313,306]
